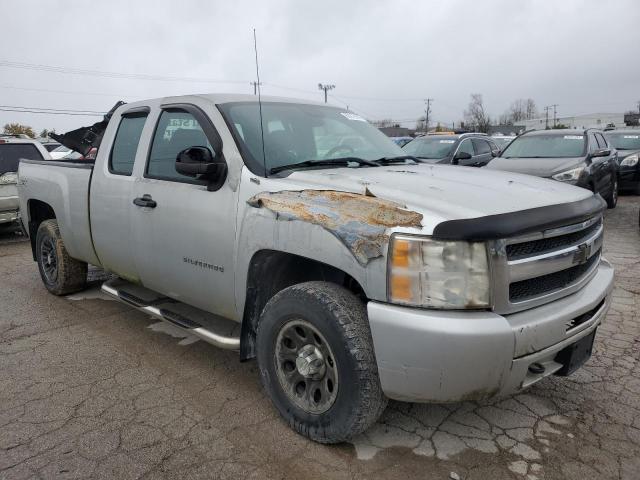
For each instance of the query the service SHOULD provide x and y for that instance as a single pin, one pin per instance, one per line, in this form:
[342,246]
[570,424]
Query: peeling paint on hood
[359,221]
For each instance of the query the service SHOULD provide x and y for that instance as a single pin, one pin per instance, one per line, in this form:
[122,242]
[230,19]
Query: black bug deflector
[519,223]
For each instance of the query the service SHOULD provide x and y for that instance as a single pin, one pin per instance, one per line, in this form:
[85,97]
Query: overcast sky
[383,57]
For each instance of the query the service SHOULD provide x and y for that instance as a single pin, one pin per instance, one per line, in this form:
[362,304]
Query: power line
[50,112]
[67,92]
[54,109]
[109,74]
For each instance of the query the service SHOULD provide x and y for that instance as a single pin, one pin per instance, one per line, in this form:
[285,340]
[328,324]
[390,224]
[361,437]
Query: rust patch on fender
[359,221]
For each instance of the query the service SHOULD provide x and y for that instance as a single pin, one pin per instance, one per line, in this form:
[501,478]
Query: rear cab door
[111,194]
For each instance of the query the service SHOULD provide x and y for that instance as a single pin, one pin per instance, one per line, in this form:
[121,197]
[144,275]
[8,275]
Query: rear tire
[337,394]
[60,273]
[612,198]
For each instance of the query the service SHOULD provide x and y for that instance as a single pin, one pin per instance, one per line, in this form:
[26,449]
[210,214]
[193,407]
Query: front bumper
[9,217]
[629,177]
[448,356]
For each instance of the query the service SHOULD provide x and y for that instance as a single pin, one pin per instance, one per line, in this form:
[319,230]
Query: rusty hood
[441,192]
[363,206]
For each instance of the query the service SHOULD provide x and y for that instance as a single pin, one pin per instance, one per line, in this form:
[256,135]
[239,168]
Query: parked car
[577,157]
[50,146]
[502,140]
[401,141]
[353,276]
[627,143]
[60,152]
[468,149]
[12,149]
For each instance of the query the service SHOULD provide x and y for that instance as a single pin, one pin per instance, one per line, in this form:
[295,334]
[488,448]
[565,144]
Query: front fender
[262,229]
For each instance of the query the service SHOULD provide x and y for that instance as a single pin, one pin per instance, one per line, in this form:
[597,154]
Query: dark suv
[627,142]
[468,149]
[579,157]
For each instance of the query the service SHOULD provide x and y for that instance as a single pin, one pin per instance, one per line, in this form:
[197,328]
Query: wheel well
[269,273]
[38,213]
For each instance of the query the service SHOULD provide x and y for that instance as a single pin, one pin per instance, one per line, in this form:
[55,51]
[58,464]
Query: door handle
[145,201]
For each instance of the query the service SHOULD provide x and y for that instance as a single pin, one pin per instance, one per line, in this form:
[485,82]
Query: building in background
[590,120]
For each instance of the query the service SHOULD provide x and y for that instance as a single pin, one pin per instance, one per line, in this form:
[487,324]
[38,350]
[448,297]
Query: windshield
[11,153]
[625,141]
[546,146]
[430,147]
[295,133]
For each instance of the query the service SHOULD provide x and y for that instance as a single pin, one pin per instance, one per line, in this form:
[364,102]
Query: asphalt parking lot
[91,388]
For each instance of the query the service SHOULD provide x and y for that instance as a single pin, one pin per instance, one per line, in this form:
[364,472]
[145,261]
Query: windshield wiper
[398,159]
[343,162]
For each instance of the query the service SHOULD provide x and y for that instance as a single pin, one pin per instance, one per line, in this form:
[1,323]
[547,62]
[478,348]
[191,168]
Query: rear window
[11,153]
[430,147]
[546,146]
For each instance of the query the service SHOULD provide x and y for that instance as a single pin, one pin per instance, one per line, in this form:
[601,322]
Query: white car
[12,149]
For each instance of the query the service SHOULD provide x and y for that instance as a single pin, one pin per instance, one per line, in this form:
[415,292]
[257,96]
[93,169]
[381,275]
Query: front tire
[317,363]
[612,198]
[60,273]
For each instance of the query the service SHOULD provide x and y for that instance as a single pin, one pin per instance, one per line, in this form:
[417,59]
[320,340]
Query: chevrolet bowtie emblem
[582,254]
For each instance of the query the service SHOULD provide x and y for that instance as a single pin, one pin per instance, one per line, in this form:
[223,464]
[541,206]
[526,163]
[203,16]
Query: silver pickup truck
[300,235]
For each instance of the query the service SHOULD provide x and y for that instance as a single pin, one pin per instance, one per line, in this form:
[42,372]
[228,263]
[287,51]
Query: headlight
[630,161]
[438,274]
[569,175]
[9,177]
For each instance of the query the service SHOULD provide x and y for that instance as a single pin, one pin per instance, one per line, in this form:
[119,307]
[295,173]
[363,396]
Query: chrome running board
[211,328]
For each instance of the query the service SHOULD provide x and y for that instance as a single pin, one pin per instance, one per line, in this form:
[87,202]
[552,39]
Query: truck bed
[64,186]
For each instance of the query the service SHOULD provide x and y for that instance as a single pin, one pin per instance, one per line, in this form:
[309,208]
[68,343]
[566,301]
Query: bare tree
[475,114]
[532,110]
[519,110]
[18,129]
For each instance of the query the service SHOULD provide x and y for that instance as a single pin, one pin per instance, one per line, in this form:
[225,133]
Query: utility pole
[427,111]
[255,86]
[546,118]
[638,106]
[326,88]
[554,114]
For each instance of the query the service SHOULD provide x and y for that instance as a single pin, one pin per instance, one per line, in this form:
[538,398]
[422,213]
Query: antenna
[257,85]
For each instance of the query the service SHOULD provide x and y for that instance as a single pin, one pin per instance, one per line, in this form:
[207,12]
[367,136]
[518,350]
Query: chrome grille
[543,245]
[537,268]
[551,282]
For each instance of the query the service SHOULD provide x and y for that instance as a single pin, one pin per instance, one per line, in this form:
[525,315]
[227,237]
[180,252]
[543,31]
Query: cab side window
[466,146]
[481,146]
[176,131]
[125,145]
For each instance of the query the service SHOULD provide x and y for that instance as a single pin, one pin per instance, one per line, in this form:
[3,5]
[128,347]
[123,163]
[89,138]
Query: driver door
[184,234]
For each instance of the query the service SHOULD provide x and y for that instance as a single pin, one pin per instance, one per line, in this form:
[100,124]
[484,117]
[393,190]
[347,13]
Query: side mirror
[601,152]
[495,153]
[200,162]
[461,156]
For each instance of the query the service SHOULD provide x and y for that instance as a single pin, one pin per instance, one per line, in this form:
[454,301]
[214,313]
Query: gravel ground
[91,388]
